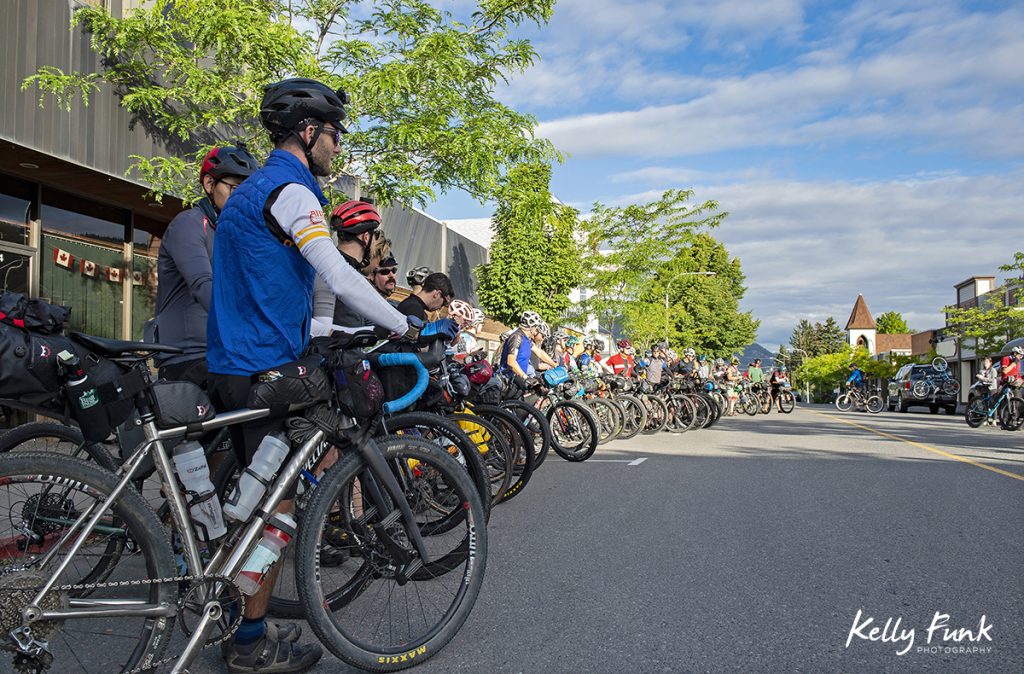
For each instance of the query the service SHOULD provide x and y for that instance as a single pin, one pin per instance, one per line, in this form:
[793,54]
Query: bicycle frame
[234,550]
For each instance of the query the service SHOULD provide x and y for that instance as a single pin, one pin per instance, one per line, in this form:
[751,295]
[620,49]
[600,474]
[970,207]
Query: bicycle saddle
[116,347]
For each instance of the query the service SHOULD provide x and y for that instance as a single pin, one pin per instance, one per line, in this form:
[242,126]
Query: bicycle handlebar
[419,362]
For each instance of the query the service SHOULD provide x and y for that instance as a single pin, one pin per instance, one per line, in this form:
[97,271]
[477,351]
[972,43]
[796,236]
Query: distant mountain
[756,351]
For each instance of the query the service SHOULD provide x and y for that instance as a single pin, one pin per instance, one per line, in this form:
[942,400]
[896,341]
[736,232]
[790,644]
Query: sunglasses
[231,186]
[334,133]
[388,272]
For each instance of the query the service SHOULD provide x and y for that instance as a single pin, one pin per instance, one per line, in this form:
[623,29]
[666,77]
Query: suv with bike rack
[929,385]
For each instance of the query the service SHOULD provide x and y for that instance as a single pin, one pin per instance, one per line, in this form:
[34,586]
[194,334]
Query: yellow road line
[924,447]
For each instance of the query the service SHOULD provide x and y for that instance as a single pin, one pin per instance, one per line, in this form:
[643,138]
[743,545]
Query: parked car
[923,386]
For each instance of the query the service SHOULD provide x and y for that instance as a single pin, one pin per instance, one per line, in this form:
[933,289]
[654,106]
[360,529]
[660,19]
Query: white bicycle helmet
[478,318]
[1017,351]
[531,319]
[689,352]
[545,330]
[461,312]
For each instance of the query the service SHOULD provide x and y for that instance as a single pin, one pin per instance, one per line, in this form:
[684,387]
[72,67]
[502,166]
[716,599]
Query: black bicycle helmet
[288,103]
[221,162]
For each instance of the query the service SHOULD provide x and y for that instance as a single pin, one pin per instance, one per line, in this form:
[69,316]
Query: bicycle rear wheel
[1011,414]
[574,431]
[537,424]
[608,420]
[494,451]
[875,404]
[41,496]
[787,401]
[520,441]
[386,615]
[635,418]
[657,414]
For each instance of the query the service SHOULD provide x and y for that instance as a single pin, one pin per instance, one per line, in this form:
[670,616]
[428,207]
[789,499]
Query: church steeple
[860,317]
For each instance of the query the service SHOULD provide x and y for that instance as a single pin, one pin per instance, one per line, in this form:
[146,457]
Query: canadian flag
[113,275]
[88,268]
[63,258]
[137,278]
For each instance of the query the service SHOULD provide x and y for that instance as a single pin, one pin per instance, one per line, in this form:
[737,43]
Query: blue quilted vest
[262,290]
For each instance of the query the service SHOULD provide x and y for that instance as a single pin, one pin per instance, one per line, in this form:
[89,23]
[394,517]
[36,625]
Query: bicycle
[861,400]
[1006,408]
[404,511]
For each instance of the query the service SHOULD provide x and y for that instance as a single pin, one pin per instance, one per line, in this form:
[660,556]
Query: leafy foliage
[422,84]
[817,339]
[636,255]
[892,323]
[824,372]
[534,260]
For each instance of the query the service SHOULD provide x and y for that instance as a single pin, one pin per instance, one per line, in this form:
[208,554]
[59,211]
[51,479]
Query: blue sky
[867,147]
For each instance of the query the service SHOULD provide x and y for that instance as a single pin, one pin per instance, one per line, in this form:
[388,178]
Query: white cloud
[946,80]
[808,248]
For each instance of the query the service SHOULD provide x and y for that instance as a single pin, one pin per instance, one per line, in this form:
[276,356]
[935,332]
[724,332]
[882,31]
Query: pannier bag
[181,403]
[488,393]
[556,375]
[297,383]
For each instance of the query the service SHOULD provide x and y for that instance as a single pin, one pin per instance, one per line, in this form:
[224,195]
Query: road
[753,547]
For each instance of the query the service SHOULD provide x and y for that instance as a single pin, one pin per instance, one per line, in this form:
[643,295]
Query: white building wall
[868,335]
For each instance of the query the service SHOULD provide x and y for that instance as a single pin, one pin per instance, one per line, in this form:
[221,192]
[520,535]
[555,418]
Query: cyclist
[385,278]
[185,267]
[777,381]
[703,368]
[462,313]
[416,277]
[856,378]
[435,294]
[656,366]
[517,350]
[755,374]
[540,359]
[357,225]
[1010,368]
[622,362]
[272,242]
[732,383]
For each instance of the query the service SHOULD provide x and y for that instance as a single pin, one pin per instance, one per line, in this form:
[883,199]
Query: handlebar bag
[556,376]
[299,382]
[360,391]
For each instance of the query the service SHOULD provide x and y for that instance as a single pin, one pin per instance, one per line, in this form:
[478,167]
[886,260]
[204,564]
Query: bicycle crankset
[193,601]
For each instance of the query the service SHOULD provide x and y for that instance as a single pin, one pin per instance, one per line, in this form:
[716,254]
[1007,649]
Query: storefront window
[14,271]
[15,211]
[83,262]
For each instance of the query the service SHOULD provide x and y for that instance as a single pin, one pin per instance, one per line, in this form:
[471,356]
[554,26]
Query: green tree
[534,259]
[423,112]
[818,338]
[704,310]
[988,326]
[628,246]
[892,323]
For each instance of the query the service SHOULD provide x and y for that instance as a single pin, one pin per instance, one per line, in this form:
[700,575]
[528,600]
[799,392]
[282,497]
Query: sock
[250,631]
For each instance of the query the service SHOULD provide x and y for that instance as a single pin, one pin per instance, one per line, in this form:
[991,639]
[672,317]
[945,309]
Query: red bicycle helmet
[355,217]
[479,372]
[625,344]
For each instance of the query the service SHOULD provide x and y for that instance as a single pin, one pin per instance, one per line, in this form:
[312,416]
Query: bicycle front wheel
[378,607]
[787,401]
[875,404]
[1011,414]
[844,403]
[41,496]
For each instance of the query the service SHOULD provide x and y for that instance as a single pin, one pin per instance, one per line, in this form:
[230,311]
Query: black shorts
[231,392]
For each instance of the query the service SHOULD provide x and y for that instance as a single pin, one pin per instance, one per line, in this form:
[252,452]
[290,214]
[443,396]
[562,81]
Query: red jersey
[621,364]
[1010,368]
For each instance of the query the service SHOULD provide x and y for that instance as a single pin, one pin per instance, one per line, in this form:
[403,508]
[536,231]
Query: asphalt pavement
[765,544]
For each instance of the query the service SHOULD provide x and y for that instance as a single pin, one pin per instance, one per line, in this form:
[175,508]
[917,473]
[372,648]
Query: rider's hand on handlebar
[446,327]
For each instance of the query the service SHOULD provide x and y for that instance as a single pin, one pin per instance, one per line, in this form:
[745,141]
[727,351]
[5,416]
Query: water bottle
[194,473]
[85,400]
[253,483]
[276,535]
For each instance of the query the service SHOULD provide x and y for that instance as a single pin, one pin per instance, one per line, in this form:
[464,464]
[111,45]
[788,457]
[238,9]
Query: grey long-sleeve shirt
[185,271]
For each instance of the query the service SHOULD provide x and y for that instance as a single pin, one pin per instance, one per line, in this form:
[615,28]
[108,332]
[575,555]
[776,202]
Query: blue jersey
[856,377]
[519,344]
